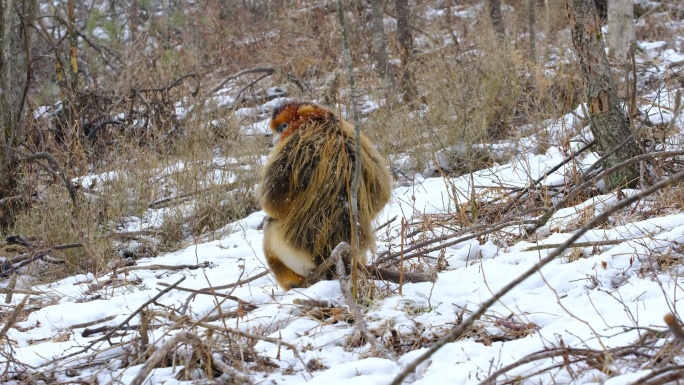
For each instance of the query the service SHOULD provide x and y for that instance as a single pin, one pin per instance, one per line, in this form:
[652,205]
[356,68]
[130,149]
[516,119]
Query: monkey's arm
[376,178]
[274,188]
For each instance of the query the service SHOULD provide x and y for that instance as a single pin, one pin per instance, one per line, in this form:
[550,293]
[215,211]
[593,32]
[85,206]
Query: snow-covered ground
[604,297]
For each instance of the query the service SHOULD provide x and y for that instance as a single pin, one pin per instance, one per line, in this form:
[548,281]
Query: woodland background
[170,99]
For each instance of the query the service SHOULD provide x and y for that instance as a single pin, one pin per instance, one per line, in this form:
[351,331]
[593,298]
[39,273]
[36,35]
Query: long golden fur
[304,189]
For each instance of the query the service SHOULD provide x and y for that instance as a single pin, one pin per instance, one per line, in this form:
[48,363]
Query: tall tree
[609,122]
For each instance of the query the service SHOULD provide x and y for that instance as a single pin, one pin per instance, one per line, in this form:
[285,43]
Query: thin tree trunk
[73,44]
[497,19]
[609,122]
[15,75]
[133,18]
[356,176]
[532,27]
[408,84]
[380,43]
[620,28]
[6,113]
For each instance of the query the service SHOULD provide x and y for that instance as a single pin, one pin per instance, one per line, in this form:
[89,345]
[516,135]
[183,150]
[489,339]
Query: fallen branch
[398,277]
[13,317]
[8,290]
[91,323]
[39,255]
[240,283]
[578,244]
[663,376]
[160,353]
[107,329]
[563,352]
[246,305]
[166,267]
[119,326]
[375,272]
[188,321]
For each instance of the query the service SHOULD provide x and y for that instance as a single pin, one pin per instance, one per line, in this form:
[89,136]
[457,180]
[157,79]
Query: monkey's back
[313,170]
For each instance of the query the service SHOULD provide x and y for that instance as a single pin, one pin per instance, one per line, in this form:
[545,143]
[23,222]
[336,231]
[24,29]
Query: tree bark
[408,84]
[6,113]
[380,42]
[15,59]
[497,19]
[532,27]
[609,122]
[620,28]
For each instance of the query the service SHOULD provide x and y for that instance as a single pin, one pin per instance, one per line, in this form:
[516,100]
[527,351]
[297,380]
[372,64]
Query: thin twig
[248,306]
[165,267]
[13,317]
[549,353]
[120,325]
[221,329]
[59,170]
[356,121]
[36,256]
[343,248]
[547,173]
[268,70]
[239,283]
[606,156]
[509,220]
[578,244]
[385,224]
[161,353]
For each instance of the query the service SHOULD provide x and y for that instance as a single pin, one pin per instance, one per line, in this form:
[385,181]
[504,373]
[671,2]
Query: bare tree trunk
[133,19]
[73,44]
[356,176]
[620,28]
[532,28]
[6,113]
[609,122]
[408,84]
[15,59]
[497,19]
[380,43]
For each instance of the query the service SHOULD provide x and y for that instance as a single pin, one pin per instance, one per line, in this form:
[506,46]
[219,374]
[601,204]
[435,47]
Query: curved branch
[267,70]
[57,169]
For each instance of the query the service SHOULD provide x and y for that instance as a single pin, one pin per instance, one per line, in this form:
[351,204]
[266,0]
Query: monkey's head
[289,117]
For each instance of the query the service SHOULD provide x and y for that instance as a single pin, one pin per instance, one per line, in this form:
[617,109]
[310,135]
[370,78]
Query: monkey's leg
[286,278]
